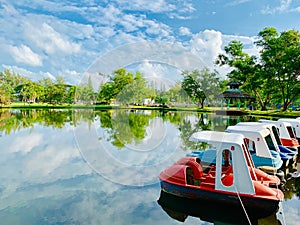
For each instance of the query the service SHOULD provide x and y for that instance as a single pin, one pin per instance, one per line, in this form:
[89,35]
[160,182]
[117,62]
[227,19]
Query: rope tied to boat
[244,209]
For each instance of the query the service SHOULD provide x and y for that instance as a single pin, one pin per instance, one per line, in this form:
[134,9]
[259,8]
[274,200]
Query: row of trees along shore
[272,77]
[122,87]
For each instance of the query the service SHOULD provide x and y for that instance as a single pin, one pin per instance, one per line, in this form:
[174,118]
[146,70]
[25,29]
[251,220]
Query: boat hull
[250,203]
[180,208]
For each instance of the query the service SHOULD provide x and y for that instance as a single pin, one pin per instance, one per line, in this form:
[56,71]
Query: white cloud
[160,75]
[296,9]
[237,2]
[184,31]
[207,45]
[44,162]
[26,144]
[210,43]
[46,38]
[23,54]
[283,7]
[27,73]
[157,6]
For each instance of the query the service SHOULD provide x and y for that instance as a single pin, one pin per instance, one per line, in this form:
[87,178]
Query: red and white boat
[232,178]
[286,133]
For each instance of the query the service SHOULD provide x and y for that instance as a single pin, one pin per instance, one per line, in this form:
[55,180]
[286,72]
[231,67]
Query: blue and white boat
[259,140]
[287,155]
[286,134]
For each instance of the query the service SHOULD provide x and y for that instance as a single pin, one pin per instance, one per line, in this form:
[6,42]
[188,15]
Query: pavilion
[233,95]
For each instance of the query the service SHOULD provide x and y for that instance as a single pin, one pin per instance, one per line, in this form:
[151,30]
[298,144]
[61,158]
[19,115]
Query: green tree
[30,92]
[71,94]
[272,76]
[5,93]
[281,63]
[135,91]
[8,83]
[124,127]
[55,92]
[247,70]
[119,79]
[124,86]
[177,94]
[201,85]
[85,94]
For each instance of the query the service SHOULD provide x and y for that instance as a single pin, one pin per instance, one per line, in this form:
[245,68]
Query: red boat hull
[180,208]
[249,202]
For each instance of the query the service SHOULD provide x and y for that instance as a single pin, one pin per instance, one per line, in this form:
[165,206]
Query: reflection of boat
[235,182]
[180,208]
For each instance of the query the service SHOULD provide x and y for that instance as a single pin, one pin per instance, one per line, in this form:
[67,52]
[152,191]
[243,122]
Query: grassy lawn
[275,113]
[268,113]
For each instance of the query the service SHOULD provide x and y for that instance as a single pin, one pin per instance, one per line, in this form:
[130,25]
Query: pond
[101,167]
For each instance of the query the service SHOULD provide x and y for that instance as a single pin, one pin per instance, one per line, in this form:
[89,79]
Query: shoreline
[217,110]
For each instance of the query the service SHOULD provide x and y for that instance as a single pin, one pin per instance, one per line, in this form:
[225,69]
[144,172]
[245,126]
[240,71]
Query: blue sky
[41,38]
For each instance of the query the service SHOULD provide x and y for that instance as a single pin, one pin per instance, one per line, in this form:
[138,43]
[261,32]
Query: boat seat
[193,164]
[227,179]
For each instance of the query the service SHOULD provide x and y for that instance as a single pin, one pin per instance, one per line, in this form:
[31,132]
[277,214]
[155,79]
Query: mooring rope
[243,205]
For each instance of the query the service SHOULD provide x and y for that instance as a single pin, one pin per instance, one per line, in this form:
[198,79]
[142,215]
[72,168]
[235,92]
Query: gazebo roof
[233,84]
[235,93]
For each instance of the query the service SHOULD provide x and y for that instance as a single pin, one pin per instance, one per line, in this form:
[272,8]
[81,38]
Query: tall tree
[280,56]
[274,75]
[201,85]
[125,86]
[247,70]
[135,91]
[117,81]
[9,81]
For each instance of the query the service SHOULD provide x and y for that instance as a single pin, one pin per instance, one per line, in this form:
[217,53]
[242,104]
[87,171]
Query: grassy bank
[275,113]
[268,113]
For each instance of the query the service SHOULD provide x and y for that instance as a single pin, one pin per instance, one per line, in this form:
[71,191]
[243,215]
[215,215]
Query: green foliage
[124,127]
[124,87]
[274,76]
[117,82]
[177,94]
[8,83]
[135,91]
[85,94]
[201,85]
[187,128]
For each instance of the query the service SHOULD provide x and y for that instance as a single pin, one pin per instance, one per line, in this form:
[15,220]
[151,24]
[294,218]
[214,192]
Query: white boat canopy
[257,135]
[295,124]
[241,160]
[284,128]
[271,127]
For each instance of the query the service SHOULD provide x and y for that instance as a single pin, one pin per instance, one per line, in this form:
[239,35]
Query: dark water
[101,167]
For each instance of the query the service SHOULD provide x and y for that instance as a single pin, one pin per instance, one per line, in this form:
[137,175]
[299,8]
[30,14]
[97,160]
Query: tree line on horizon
[272,77]
[123,87]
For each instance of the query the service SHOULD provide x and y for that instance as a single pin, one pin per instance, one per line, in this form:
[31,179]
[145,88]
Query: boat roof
[258,124]
[216,137]
[289,120]
[249,129]
[278,122]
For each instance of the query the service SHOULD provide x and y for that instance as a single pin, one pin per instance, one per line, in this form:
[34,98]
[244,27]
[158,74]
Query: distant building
[148,101]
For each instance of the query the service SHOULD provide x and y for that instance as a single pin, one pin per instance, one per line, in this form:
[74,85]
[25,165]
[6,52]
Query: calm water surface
[101,167]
